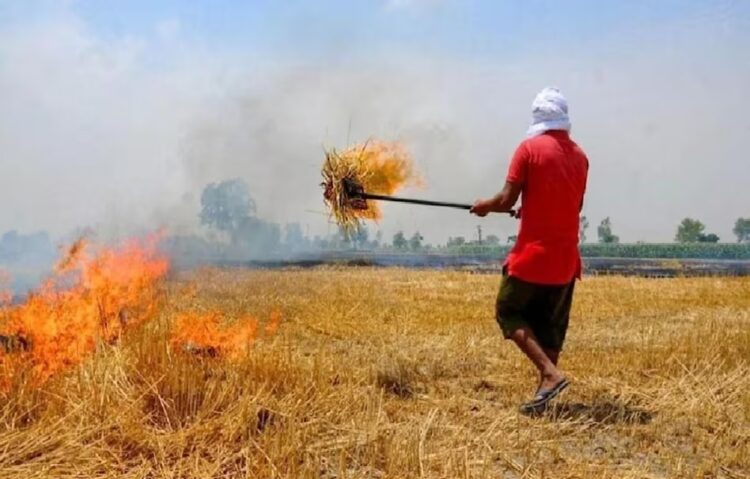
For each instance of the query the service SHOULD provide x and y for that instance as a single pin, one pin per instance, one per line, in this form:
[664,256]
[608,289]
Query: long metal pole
[396,199]
[370,196]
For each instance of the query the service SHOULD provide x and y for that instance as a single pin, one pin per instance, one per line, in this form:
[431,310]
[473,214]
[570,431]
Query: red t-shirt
[553,172]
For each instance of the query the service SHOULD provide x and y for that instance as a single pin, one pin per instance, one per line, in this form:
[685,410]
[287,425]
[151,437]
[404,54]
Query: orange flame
[386,167]
[113,291]
[72,256]
[208,335]
[376,166]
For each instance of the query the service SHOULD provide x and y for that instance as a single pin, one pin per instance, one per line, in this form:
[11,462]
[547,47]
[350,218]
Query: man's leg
[527,342]
[553,355]
[559,314]
[513,307]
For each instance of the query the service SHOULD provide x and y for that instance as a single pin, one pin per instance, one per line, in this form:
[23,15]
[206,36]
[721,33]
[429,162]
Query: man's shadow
[605,410]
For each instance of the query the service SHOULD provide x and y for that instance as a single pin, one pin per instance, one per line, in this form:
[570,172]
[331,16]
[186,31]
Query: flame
[209,335]
[378,167]
[73,256]
[384,168]
[388,165]
[112,291]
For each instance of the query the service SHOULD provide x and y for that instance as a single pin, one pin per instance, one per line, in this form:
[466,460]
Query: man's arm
[500,203]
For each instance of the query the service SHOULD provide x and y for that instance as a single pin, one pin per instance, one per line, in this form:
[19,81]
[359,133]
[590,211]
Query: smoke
[24,260]
[89,130]
[122,132]
[663,132]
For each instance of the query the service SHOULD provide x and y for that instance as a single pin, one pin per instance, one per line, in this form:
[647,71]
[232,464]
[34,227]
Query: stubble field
[390,373]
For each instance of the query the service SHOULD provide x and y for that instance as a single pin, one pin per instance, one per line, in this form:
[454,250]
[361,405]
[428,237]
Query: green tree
[583,225]
[226,205]
[492,240]
[604,231]
[742,230]
[256,236]
[344,237]
[294,237]
[415,242]
[399,241]
[689,231]
[361,236]
[709,238]
[457,241]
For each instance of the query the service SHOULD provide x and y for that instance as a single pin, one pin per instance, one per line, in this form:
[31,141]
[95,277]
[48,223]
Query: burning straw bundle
[377,167]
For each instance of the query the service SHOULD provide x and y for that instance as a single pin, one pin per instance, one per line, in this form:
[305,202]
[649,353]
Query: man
[549,171]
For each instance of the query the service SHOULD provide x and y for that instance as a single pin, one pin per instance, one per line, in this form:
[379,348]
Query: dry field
[386,373]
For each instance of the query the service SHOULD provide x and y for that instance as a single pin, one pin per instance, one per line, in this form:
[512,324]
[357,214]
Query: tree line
[228,209]
[688,231]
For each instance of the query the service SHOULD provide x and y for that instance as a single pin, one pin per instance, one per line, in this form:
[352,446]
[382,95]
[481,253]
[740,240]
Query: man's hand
[481,208]
[500,203]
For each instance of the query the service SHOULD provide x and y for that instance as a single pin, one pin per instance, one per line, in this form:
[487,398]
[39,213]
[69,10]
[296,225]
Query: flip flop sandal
[543,397]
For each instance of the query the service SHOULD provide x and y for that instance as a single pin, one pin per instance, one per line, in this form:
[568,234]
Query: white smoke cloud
[124,132]
[89,131]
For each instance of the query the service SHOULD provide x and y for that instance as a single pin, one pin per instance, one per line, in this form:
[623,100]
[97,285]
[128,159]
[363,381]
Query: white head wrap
[549,112]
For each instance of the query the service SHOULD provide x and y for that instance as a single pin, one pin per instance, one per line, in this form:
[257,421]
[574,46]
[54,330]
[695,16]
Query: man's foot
[549,380]
[543,397]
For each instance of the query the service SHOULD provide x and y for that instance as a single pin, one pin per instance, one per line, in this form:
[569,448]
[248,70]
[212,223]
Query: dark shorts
[544,309]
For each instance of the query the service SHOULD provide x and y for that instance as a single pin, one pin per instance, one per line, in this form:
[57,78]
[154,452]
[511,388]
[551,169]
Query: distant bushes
[677,251]
[666,250]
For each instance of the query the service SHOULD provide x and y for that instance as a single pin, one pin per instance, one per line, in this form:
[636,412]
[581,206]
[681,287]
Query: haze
[115,118]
